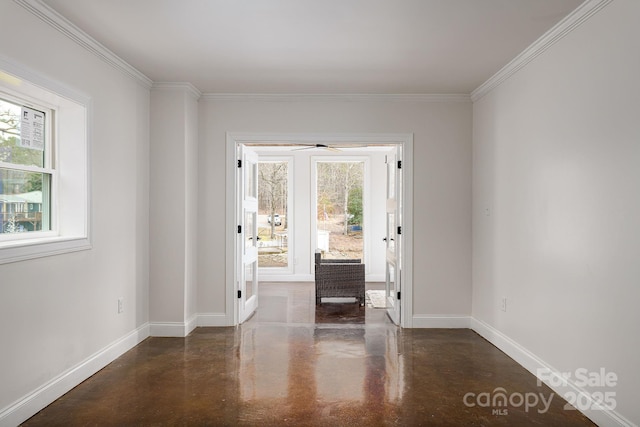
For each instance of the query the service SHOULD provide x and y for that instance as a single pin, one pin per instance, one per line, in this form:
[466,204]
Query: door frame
[233,139]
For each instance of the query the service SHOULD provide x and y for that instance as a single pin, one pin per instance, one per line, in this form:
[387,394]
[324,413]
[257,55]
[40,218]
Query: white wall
[57,311]
[442,182]
[173,214]
[557,166]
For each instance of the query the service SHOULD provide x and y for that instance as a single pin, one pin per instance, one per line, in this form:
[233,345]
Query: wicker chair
[339,278]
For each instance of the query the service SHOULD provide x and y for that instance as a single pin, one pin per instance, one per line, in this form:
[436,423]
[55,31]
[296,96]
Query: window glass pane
[273,222]
[23,201]
[16,121]
[339,207]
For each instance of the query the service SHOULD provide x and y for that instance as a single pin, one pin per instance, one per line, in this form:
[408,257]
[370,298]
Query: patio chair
[339,278]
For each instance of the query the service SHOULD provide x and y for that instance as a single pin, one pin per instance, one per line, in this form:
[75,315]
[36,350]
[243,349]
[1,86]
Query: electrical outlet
[503,304]
[120,305]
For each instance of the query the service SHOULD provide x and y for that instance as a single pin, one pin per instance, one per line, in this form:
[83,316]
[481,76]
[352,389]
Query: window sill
[21,250]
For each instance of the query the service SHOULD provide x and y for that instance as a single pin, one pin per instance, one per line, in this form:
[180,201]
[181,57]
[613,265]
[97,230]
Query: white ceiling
[317,46]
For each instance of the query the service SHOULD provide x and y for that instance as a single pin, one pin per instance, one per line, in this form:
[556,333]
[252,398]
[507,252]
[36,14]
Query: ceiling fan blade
[311,146]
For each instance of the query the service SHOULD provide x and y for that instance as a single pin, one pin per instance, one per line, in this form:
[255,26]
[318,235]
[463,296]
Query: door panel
[248,233]
[393,254]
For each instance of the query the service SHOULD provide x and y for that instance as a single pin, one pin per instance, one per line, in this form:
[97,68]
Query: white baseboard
[213,319]
[440,321]
[192,323]
[39,398]
[172,329]
[182,329]
[599,415]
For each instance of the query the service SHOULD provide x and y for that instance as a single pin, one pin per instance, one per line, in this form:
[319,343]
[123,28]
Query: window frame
[48,196]
[68,144]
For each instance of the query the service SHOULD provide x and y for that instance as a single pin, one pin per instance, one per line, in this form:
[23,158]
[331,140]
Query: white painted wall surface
[442,182]
[57,311]
[191,206]
[167,219]
[556,205]
[173,213]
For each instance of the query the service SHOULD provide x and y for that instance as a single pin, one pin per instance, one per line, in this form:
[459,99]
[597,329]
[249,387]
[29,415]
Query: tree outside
[273,248]
[339,208]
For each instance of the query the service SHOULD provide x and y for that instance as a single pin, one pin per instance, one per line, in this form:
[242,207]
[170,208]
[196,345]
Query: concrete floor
[295,364]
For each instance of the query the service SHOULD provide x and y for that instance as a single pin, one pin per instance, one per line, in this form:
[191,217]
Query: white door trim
[235,138]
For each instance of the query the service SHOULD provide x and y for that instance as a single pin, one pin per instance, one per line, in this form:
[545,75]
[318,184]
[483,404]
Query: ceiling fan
[339,147]
[312,146]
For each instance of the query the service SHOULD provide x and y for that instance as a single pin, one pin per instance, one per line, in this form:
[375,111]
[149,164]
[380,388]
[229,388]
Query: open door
[394,234]
[247,233]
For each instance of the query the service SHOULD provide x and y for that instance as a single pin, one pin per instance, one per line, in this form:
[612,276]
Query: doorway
[401,273]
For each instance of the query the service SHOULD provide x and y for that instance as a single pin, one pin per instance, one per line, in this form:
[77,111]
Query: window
[44,189]
[26,171]
[273,210]
[339,208]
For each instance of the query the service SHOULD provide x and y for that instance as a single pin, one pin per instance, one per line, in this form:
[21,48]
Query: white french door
[393,259]
[247,232]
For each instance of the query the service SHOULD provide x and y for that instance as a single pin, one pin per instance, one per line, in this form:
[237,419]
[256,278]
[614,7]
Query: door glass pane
[391,230]
[273,218]
[249,240]
[250,274]
[250,180]
[339,208]
[391,182]
[391,277]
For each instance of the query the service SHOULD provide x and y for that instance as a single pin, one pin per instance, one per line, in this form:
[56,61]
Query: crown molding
[63,25]
[180,86]
[556,33]
[345,97]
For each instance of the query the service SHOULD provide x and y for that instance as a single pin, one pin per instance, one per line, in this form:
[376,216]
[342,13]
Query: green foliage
[34,182]
[355,206]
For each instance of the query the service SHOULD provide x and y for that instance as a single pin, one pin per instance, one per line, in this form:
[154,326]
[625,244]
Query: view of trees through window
[339,208]
[339,211]
[273,246]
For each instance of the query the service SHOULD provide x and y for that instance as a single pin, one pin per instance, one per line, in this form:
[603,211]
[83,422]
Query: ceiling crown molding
[561,29]
[63,25]
[182,86]
[346,97]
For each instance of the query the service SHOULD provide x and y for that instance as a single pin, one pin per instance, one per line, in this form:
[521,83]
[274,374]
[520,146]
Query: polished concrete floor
[295,365]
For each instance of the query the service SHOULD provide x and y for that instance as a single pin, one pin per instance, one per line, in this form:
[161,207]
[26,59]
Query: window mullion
[26,168]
